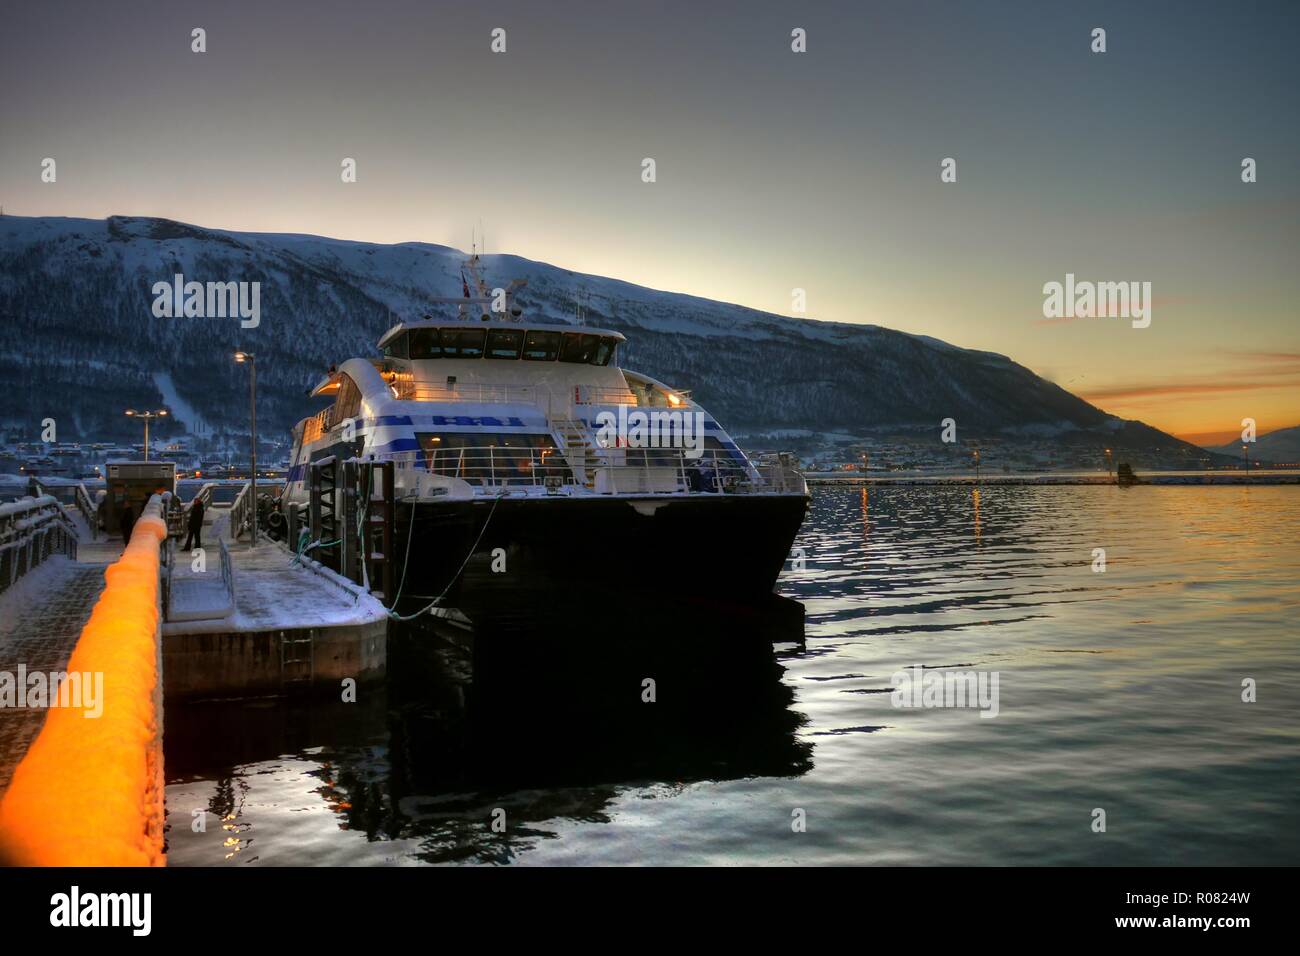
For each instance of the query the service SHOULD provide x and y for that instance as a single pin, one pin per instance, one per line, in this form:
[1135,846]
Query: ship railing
[31,530]
[488,393]
[408,390]
[601,470]
[606,395]
[781,476]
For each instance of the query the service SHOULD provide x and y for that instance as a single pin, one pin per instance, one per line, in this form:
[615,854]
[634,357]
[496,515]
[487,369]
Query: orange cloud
[1167,390]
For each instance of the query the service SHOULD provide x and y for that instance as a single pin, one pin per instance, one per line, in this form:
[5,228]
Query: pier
[94,633]
[87,790]
[266,623]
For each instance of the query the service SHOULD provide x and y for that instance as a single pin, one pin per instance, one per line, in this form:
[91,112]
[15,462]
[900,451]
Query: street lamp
[976,456]
[148,417]
[1246,451]
[251,360]
[1109,462]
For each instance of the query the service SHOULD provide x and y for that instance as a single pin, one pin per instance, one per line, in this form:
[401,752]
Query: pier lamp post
[1245,450]
[1109,464]
[251,360]
[148,417]
[976,455]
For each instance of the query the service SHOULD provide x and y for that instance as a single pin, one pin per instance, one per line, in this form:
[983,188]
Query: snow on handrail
[32,529]
[89,791]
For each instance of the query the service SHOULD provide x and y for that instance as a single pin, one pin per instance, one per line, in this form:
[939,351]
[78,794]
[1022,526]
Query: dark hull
[563,555]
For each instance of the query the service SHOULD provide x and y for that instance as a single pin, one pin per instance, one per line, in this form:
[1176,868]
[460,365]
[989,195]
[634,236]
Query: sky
[774,170]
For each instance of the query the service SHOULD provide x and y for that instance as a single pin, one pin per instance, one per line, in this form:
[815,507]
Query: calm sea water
[1118,690]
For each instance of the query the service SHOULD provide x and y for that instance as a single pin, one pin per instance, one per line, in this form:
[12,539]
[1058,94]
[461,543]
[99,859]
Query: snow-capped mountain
[80,341]
[1280,445]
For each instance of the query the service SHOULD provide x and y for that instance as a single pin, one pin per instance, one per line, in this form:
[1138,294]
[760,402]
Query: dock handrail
[178,517]
[241,511]
[87,508]
[90,792]
[204,494]
[227,572]
[32,529]
[167,557]
[166,560]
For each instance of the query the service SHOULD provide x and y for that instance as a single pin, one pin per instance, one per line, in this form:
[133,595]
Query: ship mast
[478,293]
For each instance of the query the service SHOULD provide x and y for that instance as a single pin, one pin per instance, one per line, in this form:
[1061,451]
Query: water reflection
[549,727]
[1118,689]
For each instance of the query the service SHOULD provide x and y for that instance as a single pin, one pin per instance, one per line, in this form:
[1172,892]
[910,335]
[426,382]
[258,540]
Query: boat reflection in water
[541,731]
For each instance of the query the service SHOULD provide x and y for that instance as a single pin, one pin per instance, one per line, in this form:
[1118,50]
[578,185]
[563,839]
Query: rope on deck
[89,791]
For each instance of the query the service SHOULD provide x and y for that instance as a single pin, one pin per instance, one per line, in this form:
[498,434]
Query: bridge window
[396,348]
[586,348]
[542,346]
[578,347]
[424,344]
[604,351]
[504,343]
[463,343]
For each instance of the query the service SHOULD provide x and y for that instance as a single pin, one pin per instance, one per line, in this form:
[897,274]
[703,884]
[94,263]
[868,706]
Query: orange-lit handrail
[89,790]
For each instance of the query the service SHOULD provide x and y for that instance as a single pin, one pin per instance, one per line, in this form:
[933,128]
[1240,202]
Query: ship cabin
[497,402]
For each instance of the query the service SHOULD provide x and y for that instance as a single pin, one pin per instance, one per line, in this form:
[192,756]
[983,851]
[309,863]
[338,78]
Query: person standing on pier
[126,521]
[195,526]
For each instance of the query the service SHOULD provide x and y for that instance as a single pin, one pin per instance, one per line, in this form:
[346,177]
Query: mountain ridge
[78,332]
[1279,445]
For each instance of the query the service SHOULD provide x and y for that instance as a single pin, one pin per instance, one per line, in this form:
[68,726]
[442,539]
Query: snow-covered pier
[264,622]
[84,768]
[93,633]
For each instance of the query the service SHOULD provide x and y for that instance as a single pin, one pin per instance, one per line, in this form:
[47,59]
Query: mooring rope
[454,578]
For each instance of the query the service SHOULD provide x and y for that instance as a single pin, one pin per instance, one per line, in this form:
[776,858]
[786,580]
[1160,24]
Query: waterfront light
[147,417]
[250,360]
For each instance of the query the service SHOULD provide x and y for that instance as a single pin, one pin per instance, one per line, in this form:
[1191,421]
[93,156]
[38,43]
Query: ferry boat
[521,477]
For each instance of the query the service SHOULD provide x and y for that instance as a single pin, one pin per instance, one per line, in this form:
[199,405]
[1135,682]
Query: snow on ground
[180,409]
[17,601]
[271,592]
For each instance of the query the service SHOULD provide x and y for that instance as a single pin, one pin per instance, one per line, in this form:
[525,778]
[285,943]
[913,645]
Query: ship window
[587,349]
[542,346]
[463,343]
[424,344]
[578,347]
[396,348]
[504,343]
[493,458]
[604,351]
